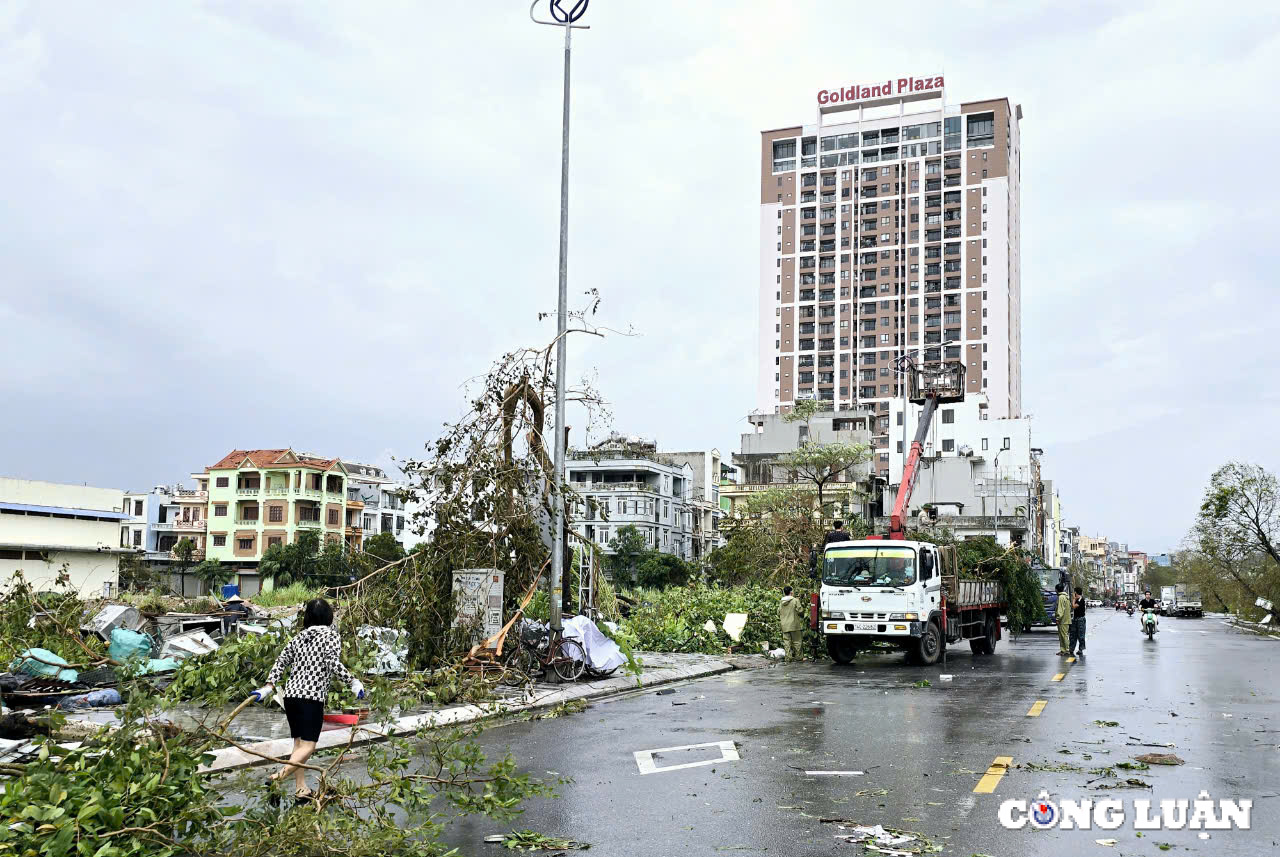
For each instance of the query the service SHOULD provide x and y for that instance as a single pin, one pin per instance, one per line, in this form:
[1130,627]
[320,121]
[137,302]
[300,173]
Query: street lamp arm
[572,15]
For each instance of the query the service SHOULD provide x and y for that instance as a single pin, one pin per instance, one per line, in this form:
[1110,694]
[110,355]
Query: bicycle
[537,651]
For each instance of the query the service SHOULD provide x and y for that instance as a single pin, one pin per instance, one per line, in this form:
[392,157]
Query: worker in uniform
[793,618]
[1062,614]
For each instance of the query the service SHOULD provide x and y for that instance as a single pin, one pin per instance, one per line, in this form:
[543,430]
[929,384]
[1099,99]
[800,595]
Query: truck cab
[879,591]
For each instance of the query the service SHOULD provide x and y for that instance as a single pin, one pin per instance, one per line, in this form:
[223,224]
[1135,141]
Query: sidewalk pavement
[659,668]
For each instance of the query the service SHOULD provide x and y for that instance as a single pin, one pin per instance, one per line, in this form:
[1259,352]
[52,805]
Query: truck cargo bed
[965,594]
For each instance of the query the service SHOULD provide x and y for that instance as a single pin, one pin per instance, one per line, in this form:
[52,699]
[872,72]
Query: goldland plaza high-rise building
[888,226]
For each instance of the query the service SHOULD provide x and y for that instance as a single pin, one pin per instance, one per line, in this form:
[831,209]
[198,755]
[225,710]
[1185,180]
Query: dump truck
[909,594]
[1186,601]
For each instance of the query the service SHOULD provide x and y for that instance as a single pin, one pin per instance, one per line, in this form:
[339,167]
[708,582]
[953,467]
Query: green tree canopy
[659,570]
[385,547]
[629,549]
[212,574]
[821,464]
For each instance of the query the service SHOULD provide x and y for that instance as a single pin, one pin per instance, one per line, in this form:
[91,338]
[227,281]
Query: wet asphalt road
[927,747]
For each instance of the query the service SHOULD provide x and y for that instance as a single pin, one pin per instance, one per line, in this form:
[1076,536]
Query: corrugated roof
[65,510]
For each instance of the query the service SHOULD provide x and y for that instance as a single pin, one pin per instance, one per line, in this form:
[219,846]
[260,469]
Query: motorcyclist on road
[1147,603]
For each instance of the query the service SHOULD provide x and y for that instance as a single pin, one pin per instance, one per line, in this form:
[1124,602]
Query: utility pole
[566,20]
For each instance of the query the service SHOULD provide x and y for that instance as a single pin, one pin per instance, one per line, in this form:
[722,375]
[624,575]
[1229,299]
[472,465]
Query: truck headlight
[902,616]
[834,614]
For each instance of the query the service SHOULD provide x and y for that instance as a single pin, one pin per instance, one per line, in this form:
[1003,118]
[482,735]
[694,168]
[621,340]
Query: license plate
[864,626]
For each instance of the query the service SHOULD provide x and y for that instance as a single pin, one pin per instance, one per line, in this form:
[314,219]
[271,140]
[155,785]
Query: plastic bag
[44,666]
[126,645]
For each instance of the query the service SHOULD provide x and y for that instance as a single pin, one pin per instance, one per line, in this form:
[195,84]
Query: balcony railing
[248,522]
[256,489]
[277,491]
[590,487]
[190,525]
[196,556]
[313,492]
[186,495]
[307,523]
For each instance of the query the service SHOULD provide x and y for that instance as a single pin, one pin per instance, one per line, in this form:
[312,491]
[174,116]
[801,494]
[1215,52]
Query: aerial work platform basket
[942,382]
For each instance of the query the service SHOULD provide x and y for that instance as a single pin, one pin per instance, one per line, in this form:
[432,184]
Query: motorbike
[1129,609]
[1149,623]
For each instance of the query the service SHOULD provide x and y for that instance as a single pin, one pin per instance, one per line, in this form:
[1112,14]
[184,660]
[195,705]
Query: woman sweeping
[313,659]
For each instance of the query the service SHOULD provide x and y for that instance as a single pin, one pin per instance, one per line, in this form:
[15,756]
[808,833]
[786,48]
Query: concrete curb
[231,758]
[1257,628]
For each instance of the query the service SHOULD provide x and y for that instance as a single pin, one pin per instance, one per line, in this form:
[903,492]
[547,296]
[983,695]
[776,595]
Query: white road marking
[833,773]
[647,765]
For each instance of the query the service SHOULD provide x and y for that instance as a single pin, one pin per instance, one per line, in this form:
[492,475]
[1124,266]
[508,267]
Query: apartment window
[1004,444]
[899,447]
[244,544]
[275,514]
[222,481]
[219,510]
[273,542]
[948,416]
[333,517]
[948,445]
[219,541]
[137,538]
[137,508]
[984,443]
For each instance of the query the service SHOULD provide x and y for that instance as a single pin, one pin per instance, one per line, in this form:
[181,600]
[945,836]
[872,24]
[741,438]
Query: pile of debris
[137,645]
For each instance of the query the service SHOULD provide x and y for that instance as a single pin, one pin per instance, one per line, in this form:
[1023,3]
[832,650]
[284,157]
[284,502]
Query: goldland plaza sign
[888,89]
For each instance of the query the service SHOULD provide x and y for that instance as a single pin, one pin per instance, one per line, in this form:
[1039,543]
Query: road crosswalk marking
[1037,707]
[1059,676]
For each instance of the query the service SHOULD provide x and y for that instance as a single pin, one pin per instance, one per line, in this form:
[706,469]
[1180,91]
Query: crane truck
[909,594]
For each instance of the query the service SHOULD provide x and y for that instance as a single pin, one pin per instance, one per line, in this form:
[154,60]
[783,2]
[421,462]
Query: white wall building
[384,509]
[976,472]
[47,525]
[632,485]
[159,519]
[704,498]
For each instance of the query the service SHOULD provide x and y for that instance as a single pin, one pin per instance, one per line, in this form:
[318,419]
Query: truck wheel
[842,651]
[927,651]
[986,644]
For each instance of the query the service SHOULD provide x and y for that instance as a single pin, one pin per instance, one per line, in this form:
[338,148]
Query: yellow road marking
[1037,708]
[994,774]
[1059,676]
[1071,660]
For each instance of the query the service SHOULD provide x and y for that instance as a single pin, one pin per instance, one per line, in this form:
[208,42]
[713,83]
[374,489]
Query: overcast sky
[258,224]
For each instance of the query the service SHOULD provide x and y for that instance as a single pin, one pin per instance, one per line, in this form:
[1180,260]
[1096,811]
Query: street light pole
[566,20]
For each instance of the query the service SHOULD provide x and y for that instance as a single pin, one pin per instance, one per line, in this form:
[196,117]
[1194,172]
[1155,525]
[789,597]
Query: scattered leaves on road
[531,840]
[1133,766]
[1106,723]
[924,682]
[871,793]
[1130,783]
[1159,759]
